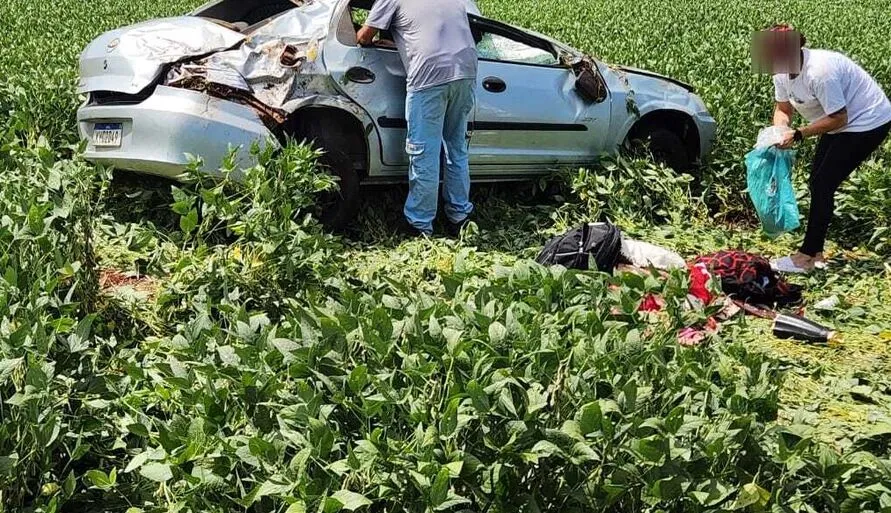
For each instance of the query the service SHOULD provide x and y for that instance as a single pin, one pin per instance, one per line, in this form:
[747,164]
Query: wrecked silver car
[235,72]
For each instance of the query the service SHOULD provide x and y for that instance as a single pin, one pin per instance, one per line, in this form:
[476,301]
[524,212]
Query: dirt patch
[113,281]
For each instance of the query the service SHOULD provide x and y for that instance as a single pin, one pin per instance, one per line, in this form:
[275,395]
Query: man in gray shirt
[440,58]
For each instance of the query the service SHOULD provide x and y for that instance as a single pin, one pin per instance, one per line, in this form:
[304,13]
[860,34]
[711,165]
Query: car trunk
[131,59]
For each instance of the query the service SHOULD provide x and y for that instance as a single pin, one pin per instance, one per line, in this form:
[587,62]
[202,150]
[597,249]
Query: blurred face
[776,52]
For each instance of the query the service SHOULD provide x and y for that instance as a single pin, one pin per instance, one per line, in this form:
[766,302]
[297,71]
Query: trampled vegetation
[207,347]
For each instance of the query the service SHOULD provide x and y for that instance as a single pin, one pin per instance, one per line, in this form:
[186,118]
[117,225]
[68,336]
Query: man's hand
[365,36]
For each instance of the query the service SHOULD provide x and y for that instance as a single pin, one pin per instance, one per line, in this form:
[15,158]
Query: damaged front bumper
[708,128]
[160,132]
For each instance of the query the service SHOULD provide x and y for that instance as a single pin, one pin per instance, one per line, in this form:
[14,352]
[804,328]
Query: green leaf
[358,378]
[350,501]
[590,417]
[137,461]
[546,449]
[675,419]
[506,400]
[497,332]
[69,484]
[275,485]
[440,488]
[449,422]
[298,506]
[102,480]
[452,337]
[455,468]
[138,430]
[751,495]
[159,472]
[573,430]
[452,501]
[478,396]
[188,222]
[628,397]
[536,398]
[7,366]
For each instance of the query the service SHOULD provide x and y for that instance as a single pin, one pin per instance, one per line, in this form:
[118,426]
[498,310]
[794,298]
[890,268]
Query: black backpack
[600,242]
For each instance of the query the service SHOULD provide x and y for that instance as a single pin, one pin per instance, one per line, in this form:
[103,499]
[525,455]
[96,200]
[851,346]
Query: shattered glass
[499,48]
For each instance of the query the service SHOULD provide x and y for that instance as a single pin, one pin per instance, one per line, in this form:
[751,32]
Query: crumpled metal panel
[172,39]
[278,62]
[129,59]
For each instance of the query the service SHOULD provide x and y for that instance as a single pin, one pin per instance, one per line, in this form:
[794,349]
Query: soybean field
[207,347]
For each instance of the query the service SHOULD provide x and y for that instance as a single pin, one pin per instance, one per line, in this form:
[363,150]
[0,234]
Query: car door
[374,78]
[528,114]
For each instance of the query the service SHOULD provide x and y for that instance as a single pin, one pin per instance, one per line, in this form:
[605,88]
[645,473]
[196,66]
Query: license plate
[108,135]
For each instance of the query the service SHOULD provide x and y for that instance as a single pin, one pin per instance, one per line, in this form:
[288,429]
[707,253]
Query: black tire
[338,208]
[665,146]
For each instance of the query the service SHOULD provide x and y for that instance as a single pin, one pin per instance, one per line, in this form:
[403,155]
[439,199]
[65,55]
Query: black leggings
[838,155]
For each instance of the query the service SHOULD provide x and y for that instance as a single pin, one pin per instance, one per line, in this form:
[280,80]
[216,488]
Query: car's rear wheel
[665,146]
[338,208]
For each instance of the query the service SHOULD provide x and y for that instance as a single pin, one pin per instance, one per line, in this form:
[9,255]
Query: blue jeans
[437,117]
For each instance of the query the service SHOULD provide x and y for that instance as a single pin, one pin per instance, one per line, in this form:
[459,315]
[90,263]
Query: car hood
[650,74]
[129,59]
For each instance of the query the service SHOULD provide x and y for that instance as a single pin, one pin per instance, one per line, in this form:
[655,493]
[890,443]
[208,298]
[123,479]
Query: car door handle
[494,85]
[360,75]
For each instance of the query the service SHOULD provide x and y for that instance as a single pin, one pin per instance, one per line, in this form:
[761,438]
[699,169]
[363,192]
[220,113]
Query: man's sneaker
[454,229]
[410,232]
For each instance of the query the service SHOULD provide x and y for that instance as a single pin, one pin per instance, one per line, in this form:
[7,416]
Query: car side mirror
[588,82]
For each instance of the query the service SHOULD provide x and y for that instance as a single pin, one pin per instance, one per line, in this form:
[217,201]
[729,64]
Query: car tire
[665,146]
[338,208]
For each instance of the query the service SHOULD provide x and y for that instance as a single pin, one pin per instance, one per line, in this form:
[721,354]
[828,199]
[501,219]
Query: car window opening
[353,21]
[497,42]
[242,16]
[494,41]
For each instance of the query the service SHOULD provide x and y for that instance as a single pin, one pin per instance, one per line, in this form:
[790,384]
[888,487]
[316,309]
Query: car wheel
[338,208]
[665,146]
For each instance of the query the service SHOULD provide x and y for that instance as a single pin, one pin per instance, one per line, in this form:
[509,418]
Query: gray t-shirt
[433,37]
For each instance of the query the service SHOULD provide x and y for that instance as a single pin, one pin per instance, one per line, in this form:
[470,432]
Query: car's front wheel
[665,146]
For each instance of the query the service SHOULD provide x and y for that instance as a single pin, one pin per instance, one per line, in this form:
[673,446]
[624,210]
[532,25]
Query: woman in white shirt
[845,107]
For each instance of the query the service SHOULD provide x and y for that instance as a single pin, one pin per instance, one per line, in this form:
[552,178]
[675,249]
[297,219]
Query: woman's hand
[788,140]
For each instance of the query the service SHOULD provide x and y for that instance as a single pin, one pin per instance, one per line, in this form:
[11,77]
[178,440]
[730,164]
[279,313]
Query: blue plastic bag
[770,186]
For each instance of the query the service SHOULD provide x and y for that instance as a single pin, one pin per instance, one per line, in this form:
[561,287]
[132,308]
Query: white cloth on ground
[644,254]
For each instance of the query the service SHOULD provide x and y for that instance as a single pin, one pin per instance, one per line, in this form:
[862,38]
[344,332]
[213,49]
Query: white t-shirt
[830,82]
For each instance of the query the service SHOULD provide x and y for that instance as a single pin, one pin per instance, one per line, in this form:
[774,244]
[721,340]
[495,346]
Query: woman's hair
[785,27]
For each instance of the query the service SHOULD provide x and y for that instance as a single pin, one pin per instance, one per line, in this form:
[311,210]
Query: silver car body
[191,85]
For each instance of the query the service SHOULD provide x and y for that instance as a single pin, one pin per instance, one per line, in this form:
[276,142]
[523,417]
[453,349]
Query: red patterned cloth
[699,278]
[749,278]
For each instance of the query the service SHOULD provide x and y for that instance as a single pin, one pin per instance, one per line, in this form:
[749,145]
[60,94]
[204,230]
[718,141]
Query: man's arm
[366,35]
[379,18]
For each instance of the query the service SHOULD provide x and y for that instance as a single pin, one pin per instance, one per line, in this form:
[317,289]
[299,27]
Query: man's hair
[785,27]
